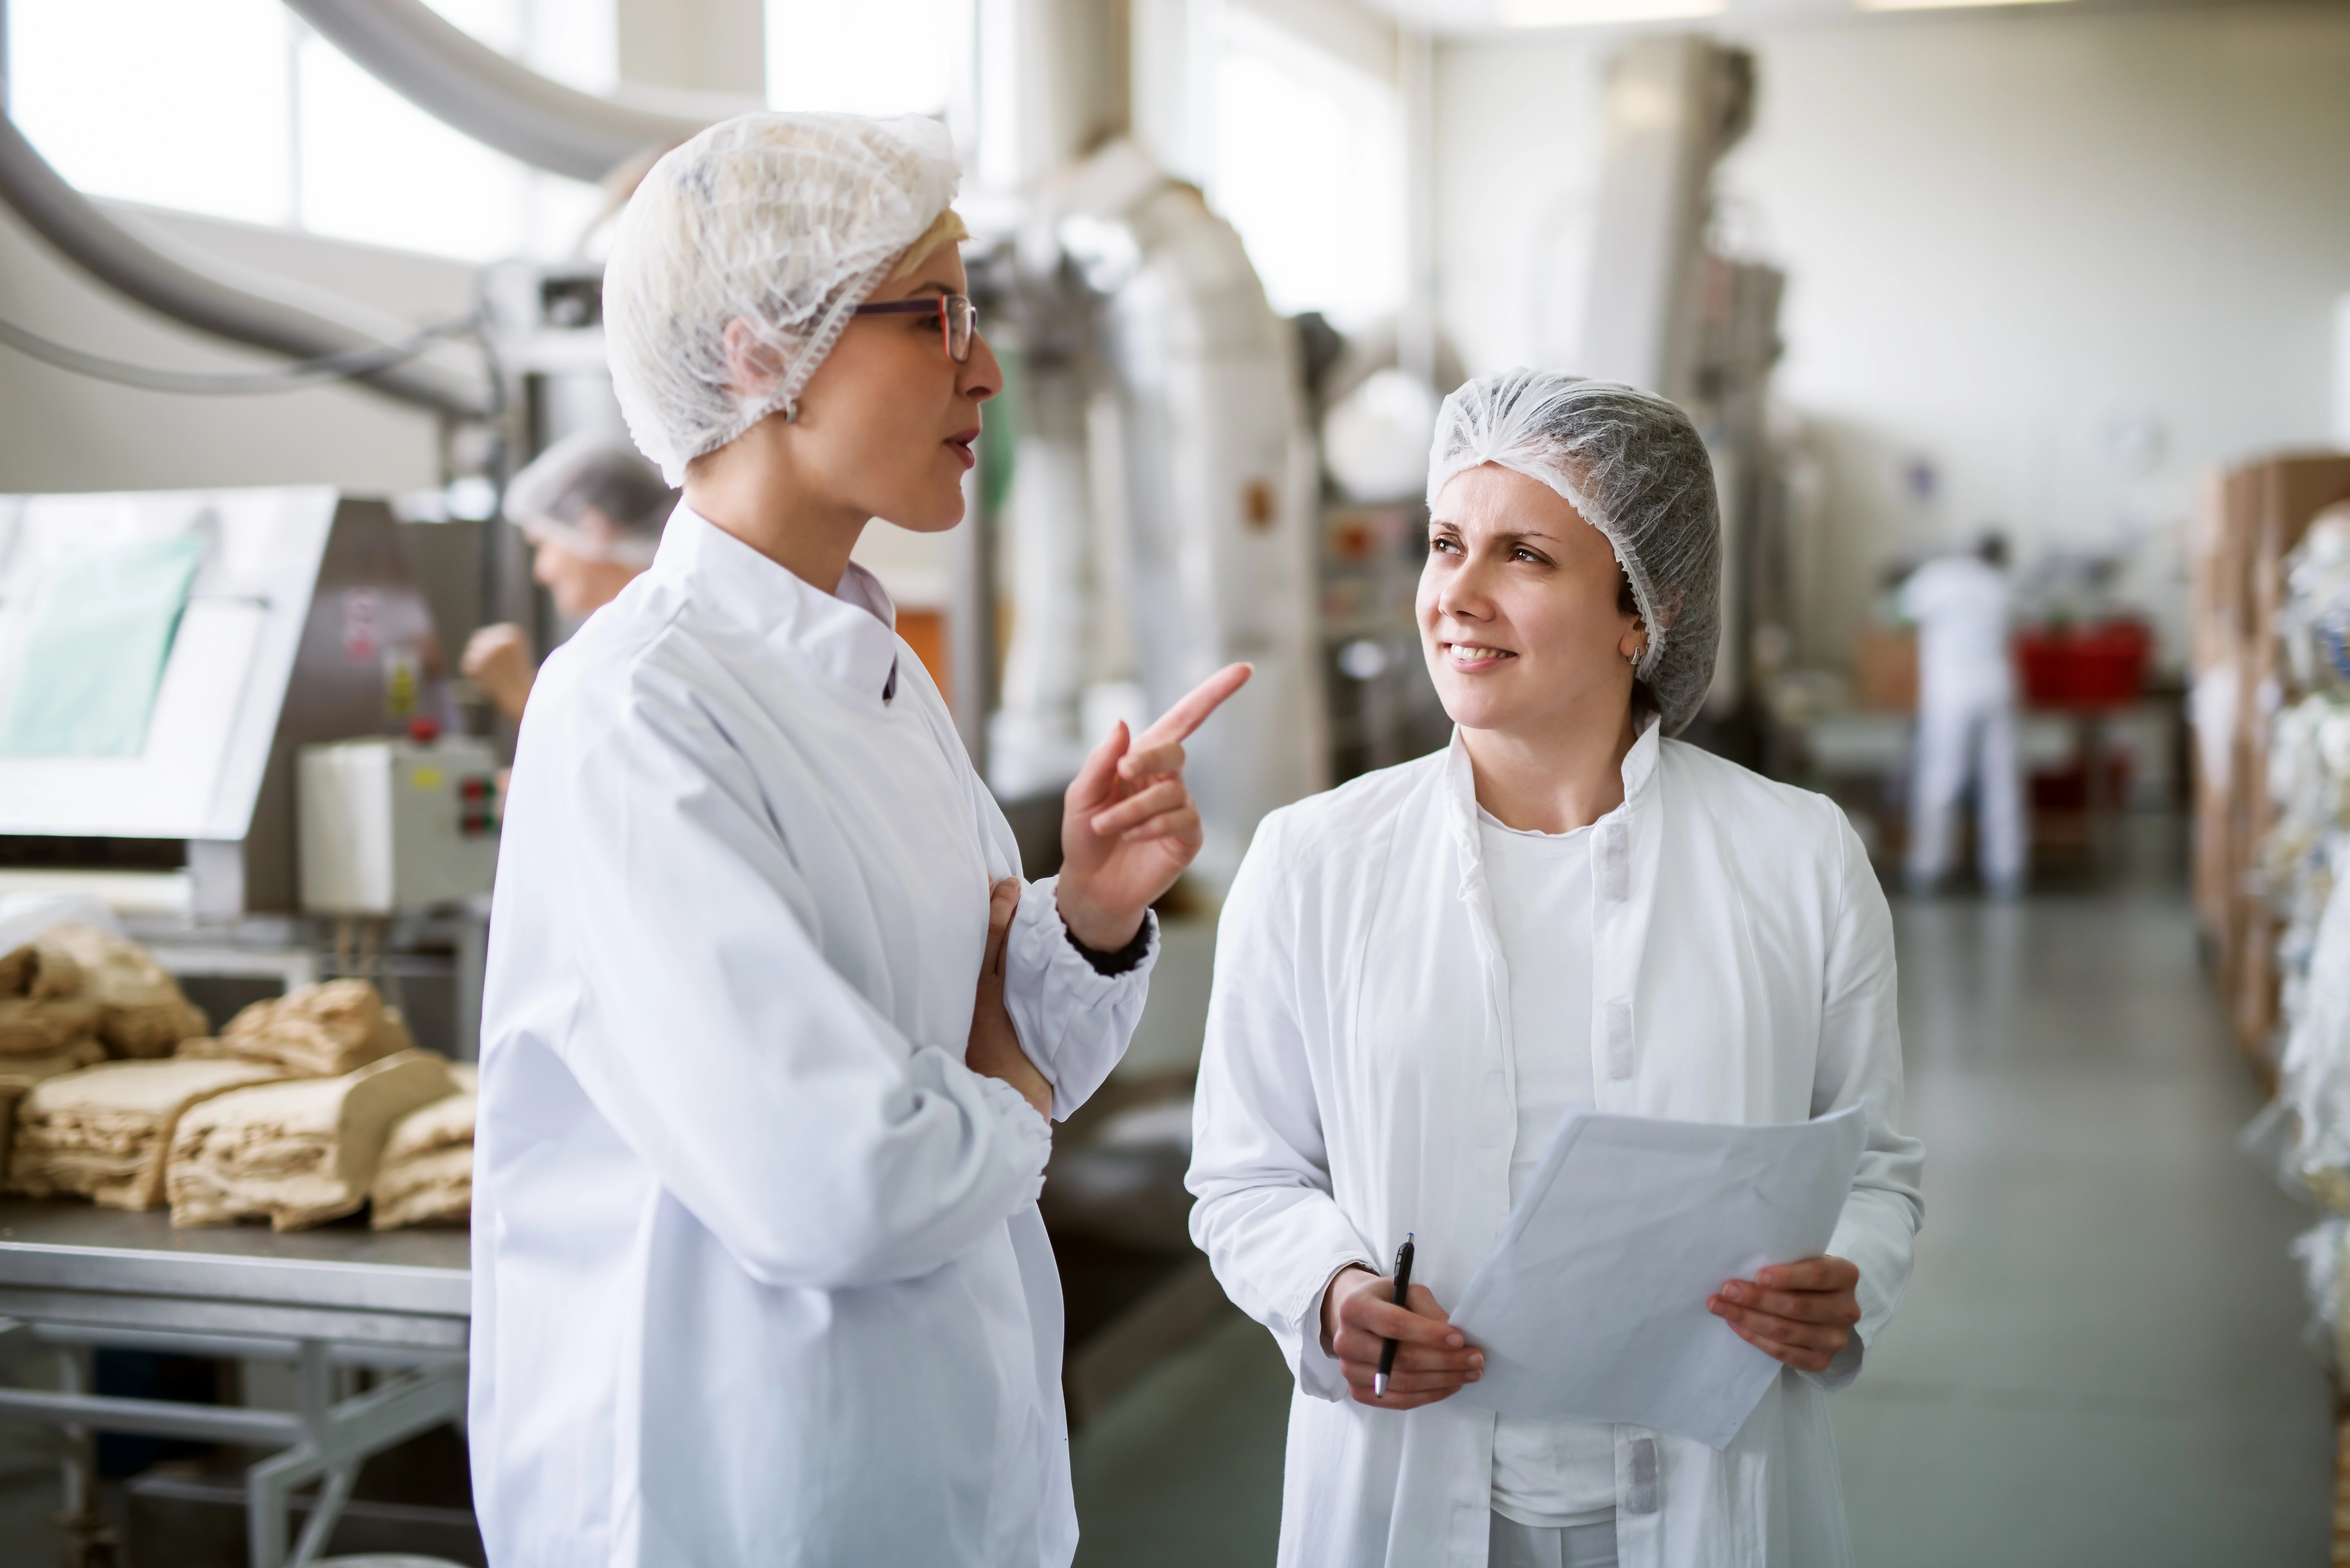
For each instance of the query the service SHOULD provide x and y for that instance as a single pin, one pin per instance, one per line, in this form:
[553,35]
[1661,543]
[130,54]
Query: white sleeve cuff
[1019,1121]
[1074,1021]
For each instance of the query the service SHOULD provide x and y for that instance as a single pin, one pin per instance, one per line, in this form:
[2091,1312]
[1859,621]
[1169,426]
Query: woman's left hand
[1128,822]
[1798,1314]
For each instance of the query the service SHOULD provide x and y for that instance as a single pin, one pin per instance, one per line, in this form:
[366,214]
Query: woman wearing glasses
[773,1029]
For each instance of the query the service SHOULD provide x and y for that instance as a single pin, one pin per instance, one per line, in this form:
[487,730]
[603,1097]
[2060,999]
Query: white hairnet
[1632,466]
[783,222]
[548,496]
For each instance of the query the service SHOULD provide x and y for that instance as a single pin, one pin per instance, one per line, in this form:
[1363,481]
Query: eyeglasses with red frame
[958,319]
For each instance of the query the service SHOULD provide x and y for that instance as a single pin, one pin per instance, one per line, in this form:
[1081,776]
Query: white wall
[64,432]
[2009,234]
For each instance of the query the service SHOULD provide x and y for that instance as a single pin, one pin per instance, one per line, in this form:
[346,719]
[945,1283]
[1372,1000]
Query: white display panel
[216,708]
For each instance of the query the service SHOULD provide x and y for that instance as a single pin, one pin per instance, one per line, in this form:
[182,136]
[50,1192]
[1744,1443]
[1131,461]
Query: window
[1323,222]
[237,110]
[868,57]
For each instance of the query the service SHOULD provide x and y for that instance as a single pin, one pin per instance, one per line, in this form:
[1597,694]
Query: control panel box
[396,828]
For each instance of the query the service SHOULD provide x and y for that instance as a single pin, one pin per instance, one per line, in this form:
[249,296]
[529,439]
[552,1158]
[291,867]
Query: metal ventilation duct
[132,266]
[471,88]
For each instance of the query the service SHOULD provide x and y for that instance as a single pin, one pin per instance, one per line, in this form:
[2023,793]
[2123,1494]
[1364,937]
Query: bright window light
[377,169]
[178,103]
[864,56]
[235,109]
[1323,221]
[1602,13]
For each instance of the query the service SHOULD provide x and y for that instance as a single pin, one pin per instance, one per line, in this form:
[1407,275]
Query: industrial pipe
[129,264]
[470,87]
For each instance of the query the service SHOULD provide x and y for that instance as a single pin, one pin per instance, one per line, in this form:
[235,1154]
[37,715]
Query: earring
[791,411]
[1633,659]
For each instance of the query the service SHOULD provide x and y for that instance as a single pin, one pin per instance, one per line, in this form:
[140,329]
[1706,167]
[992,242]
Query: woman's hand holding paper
[1432,1360]
[1798,1314]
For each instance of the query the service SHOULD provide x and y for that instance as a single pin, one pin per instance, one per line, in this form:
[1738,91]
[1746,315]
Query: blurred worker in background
[1966,719]
[592,508]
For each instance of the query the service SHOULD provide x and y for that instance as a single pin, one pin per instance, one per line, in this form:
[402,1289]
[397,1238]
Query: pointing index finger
[1191,709]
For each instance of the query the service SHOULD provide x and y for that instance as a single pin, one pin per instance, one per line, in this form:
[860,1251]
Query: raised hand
[1129,826]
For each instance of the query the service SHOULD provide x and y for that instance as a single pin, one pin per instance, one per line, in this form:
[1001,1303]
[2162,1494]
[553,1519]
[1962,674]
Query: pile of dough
[140,1012]
[426,1177]
[19,1073]
[41,1012]
[104,1132]
[299,1153]
[315,1032]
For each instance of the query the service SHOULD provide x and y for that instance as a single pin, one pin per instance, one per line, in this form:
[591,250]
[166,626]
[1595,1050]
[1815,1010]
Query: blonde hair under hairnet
[785,222]
[1632,466]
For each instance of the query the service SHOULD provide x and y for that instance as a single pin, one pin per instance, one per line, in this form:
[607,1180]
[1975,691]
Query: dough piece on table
[37,972]
[299,1153]
[43,1026]
[142,1011]
[317,1031]
[426,1177]
[105,1132]
[19,1073]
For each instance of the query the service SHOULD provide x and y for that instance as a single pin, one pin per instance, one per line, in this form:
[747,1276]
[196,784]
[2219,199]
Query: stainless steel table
[73,1277]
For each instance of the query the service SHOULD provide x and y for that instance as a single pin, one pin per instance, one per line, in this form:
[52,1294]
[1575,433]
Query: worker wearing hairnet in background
[1966,720]
[773,1028]
[1421,974]
[592,508]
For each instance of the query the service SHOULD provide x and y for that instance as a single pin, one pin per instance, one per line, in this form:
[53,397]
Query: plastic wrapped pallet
[299,1153]
[105,1133]
[316,1032]
[426,1176]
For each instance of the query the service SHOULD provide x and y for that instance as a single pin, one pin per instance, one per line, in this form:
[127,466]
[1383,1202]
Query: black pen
[1387,1347]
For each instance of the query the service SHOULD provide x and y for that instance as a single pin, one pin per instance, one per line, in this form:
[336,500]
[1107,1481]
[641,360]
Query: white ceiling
[1491,17]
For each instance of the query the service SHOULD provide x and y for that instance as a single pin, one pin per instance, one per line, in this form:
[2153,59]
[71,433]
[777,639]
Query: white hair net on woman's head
[783,222]
[1632,466]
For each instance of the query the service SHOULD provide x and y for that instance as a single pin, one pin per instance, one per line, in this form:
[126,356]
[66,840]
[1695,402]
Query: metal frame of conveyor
[398,1303]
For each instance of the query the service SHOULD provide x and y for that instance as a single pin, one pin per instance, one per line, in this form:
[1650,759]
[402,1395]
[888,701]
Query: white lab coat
[1966,720]
[758,1275]
[1358,1082]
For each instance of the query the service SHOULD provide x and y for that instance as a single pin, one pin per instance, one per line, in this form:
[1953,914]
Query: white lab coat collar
[849,634]
[1460,793]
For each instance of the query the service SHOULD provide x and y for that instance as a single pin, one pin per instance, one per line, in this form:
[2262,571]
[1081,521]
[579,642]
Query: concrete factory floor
[2099,1360]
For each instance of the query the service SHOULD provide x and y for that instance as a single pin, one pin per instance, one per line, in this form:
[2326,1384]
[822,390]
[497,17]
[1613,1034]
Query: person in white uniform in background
[592,508]
[1420,973]
[1966,720]
[773,1028]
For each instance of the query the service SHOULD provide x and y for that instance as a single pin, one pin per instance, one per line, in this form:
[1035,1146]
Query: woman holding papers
[1421,974]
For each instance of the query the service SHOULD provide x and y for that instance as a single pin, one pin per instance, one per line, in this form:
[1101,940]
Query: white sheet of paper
[1592,1306]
